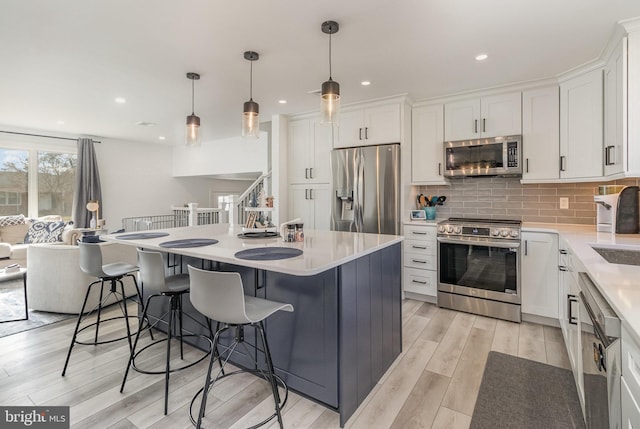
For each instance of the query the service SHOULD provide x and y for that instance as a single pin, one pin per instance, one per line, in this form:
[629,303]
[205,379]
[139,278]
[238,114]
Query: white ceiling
[68,60]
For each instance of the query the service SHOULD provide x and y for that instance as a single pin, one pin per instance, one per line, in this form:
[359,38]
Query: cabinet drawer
[422,247]
[420,281]
[419,260]
[631,362]
[414,232]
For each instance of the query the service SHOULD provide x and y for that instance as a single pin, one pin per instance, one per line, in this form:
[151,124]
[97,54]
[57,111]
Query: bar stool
[220,296]
[91,264]
[171,288]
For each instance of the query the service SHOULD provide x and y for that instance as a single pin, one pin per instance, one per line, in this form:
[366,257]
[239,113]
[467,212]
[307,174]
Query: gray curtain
[87,183]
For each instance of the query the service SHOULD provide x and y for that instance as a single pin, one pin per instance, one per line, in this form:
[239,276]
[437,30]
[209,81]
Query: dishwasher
[601,358]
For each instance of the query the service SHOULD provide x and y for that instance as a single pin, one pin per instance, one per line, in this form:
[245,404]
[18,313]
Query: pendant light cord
[251,82]
[330,56]
[193,110]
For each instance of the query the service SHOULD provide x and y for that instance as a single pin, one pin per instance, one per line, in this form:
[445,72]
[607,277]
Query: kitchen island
[346,329]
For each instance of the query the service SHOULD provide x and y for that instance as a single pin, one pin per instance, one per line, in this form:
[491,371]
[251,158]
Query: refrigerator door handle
[359,184]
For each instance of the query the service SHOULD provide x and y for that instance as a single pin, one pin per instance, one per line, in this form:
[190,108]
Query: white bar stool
[220,297]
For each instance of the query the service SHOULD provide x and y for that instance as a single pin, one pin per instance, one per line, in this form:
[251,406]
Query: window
[36,183]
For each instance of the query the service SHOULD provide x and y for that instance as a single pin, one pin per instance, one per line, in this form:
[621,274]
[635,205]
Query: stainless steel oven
[479,267]
[601,358]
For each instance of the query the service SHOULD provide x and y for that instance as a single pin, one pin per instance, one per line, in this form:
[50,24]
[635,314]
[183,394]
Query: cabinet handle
[562,252]
[572,319]
[311,173]
[419,247]
[526,247]
[418,233]
[527,165]
[310,194]
[439,169]
[562,159]
[359,133]
[306,194]
[419,282]
[563,268]
[607,156]
[484,124]
[475,126]
[306,173]
[366,133]
[418,261]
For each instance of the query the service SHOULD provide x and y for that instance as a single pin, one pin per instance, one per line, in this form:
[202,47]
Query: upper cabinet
[427,138]
[541,134]
[369,126]
[491,116]
[615,110]
[309,151]
[581,150]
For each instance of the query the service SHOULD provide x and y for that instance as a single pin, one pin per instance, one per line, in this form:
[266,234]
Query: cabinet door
[427,138]
[461,120]
[350,130]
[540,274]
[541,133]
[630,408]
[615,112]
[320,198]
[574,345]
[299,146]
[322,144]
[581,151]
[501,115]
[382,124]
[300,206]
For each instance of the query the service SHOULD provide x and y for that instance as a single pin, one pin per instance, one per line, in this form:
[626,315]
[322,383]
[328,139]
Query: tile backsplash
[507,198]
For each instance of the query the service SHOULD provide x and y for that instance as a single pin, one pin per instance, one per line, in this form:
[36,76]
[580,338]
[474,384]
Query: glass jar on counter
[299,232]
[291,233]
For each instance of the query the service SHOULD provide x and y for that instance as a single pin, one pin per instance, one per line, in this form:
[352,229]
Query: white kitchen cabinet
[427,138]
[490,116]
[615,110]
[420,256]
[539,274]
[581,150]
[312,204]
[541,134]
[309,151]
[630,408]
[369,126]
[631,380]
[574,343]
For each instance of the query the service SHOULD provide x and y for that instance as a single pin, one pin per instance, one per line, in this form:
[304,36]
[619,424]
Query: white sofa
[55,282]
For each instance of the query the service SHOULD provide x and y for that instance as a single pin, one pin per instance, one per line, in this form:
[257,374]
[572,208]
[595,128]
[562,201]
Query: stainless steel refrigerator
[366,189]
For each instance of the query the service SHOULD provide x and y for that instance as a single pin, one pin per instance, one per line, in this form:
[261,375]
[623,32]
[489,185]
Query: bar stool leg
[95,340]
[207,382]
[179,298]
[75,331]
[126,314]
[135,344]
[172,304]
[274,385]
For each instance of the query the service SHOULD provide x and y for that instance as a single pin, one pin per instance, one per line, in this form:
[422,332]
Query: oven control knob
[441,228]
[513,233]
[449,229]
[504,233]
[457,230]
[495,232]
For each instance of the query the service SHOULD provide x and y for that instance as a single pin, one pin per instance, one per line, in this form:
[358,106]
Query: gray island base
[346,329]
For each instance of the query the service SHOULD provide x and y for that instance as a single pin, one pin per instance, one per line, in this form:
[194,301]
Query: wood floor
[433,384]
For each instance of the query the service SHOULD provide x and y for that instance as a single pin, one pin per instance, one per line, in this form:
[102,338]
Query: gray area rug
[521,393]
[12,307]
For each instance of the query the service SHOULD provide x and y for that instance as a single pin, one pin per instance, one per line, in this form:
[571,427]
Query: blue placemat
[141,235]
[189,242]
[268,253]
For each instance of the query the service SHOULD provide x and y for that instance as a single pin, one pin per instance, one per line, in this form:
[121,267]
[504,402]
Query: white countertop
[323,250]
[619,284]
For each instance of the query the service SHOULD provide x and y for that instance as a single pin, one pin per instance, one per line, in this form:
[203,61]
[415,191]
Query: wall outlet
[564,202]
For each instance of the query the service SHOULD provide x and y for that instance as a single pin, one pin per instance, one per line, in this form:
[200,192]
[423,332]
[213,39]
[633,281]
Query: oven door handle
[487,243]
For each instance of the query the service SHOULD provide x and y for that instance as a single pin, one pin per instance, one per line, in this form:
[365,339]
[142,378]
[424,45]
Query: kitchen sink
[629,255]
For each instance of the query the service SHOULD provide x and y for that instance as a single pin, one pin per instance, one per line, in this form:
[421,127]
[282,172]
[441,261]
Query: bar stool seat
[113,273]
[220,296]
[152,276]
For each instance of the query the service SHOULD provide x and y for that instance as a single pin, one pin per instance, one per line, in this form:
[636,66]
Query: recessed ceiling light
[145,124]
[365,83]
[282,101]
[161,138]
[60,122]
[120,100]
[481,57]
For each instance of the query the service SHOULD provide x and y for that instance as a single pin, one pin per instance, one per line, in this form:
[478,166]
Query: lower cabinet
[630,408]
[312,204]
[630,381]
[539,276]
[420,274]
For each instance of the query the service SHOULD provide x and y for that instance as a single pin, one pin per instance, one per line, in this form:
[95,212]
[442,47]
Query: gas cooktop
[503,229]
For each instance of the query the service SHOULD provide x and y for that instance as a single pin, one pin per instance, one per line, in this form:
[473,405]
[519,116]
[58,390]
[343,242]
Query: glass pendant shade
[251,120]
[192,131]
[330,102]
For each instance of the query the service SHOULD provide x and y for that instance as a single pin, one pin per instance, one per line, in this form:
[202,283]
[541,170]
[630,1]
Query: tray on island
[259,234]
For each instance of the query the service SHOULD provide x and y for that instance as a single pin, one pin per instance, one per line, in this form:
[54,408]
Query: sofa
[55,282]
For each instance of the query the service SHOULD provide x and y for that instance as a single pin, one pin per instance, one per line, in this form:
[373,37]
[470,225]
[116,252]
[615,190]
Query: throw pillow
[45,232]
[11,220]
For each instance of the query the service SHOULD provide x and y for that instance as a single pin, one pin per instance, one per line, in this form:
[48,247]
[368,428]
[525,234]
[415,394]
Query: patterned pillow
[45,232]
[12,220]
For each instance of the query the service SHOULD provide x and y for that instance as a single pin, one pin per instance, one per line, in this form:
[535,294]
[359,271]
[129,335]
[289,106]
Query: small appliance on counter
[617,209]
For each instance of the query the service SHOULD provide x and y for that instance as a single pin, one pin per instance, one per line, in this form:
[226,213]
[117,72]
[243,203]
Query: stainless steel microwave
[497,156]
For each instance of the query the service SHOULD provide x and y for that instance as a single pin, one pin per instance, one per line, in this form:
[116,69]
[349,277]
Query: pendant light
[330,98]
[192,131]
[250,113]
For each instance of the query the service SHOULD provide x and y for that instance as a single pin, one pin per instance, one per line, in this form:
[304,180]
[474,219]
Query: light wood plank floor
[433,384]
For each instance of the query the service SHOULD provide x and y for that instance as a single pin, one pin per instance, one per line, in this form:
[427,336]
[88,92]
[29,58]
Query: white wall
[228,156]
